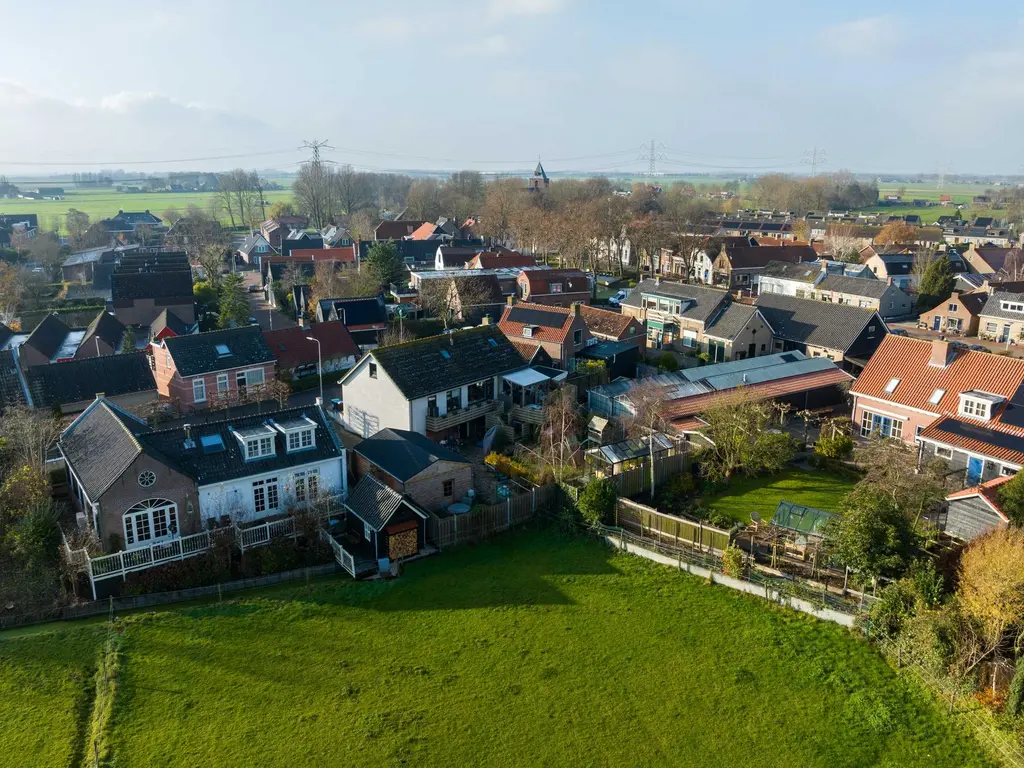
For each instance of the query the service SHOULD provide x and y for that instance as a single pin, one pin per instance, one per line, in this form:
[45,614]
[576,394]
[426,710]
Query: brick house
[273,230]
[561,332]
[739,267]
[411,464]
[956,404]
[297,356]
[197,369]
[1002,317]
[959,315]
[553,287]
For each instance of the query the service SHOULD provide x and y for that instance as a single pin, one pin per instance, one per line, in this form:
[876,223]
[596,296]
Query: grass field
[529,650]
[821,490]
[104,203]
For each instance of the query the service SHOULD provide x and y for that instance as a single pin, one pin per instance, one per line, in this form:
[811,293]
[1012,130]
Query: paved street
[268,318]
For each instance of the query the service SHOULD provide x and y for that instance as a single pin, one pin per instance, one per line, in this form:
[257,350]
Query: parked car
[978,348]
[616,300]
[897,332]
[254,288]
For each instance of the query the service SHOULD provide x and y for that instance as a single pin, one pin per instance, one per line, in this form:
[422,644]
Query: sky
[494,84]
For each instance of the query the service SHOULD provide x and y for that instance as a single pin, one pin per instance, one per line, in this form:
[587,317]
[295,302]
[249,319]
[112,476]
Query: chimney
[940,353]
[319,402]
[510,300]
[657,279]
[302,323]
[575,309]
[888,281]
[485,320]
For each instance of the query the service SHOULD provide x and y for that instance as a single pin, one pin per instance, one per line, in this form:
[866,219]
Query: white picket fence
[342,555]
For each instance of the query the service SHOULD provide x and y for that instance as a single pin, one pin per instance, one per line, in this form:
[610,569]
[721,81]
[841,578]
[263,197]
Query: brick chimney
[485,320]
[940,353]
[510,300]
[576,309]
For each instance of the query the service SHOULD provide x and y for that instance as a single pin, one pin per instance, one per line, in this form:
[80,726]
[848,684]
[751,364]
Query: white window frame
[266,494]
[199,390]
[943,452]
[259,446]
[150,521]
[223,383]
[367,531]
[300,439]
[307,485]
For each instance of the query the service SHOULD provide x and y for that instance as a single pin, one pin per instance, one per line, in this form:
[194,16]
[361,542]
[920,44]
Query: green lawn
[528,650]
[743,495]
[104,203]
[45,694]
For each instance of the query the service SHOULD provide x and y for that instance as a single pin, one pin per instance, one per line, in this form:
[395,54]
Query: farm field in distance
[104,203]
[531,649]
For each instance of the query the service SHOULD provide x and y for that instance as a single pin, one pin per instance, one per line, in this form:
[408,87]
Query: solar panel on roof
[528,316]
[1014,411]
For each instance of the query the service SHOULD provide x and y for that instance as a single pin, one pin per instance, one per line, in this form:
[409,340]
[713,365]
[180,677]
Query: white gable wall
[374,404]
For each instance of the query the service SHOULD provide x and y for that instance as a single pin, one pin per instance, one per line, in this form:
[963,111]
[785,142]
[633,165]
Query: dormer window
[257,442]
[298,433]
[978,405]
[555,287]
[528,331]
[1012,306]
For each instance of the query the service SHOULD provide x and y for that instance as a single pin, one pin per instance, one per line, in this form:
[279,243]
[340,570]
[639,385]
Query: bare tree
[315,191]
[841,242]
[452,300]
[11,289]
[28,434]
[327,281]
[922,260]
[560,434]
[77,223]
[647,407]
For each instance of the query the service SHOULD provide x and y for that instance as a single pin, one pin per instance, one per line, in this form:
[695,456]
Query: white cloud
[500,9]
[861,36]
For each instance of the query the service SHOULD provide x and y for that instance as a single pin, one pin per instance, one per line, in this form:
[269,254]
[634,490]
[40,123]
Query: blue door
[973,471]
[936,321]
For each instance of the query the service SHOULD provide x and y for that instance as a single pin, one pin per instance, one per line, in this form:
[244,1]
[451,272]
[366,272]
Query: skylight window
[211,443]
[936,396]
[492,342]
[446,354]
[891,386]
[222,350]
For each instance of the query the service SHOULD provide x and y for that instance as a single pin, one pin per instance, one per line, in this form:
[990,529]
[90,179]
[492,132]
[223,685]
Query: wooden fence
[485,521]
[669,529]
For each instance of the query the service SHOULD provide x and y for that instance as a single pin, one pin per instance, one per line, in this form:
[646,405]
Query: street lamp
[319,367]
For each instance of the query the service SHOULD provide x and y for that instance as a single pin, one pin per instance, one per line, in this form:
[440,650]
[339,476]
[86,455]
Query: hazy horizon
[495,85]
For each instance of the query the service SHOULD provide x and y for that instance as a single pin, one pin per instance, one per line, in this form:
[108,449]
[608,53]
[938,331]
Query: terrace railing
[140,558]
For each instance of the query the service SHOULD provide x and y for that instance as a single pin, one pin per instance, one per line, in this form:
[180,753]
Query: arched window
[150,520]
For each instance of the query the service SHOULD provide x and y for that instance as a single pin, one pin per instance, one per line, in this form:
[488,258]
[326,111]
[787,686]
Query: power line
[814,157]
[651,155]
[63,163]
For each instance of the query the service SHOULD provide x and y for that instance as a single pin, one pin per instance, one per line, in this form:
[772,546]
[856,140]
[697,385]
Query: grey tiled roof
[11,392]
[404,454]
[101,444]
[76,381]
[819,323]
[802,272]
[373,502]
[707,300]
[106,327]
[425,366]
[733,320]
[994,307]
[197,353]
[856,286]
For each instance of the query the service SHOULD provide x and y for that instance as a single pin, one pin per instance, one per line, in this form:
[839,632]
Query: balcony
[527,414]
[437,422]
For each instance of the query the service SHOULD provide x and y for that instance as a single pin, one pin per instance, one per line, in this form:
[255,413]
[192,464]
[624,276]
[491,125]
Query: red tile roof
[690,406]
[490,260]
[605,322]
[291,347]
[541,332]
[989,491]
[424,232]
[942,431]
[525,347]
[906,359]
[396,230]
[539,280]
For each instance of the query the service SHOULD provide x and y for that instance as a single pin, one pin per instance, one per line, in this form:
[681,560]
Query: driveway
[268,317]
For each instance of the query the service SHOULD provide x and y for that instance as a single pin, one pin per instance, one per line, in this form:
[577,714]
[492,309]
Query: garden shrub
[895,605]
[1015,697]
[929,638]
[675,493]
[597,502]
[506,465]
[732,561]
[929,585]
[867,707]
[835,448]
[667,362]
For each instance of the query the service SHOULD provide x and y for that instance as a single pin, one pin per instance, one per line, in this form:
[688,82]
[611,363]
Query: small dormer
[530,330]
[1012,306]
[257,442]
[978,405]
[299,434]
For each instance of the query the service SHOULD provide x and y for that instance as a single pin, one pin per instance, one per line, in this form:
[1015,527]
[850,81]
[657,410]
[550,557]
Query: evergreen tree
[234,303]
[128,341]
[936,284]
[384,264]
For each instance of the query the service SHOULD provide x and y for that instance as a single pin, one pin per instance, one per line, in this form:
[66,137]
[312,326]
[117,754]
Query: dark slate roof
[404,454]
[168,320]
[86,257]
[819,323]
[366,310]
[994,306]
[753,256]
[168,284]
[79,380]
[373,502]
[801,272]
[706,300]
[5,334]
[107,328]
[856,286]
[11,392]
[48,336]
[733,320]
[217,466]
[419,368]
[101,444]
[197,353]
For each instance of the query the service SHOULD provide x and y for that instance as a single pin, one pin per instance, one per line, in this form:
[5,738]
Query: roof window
[222,350]
[212,443]
[891,386]
[936,396]
[446,354]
